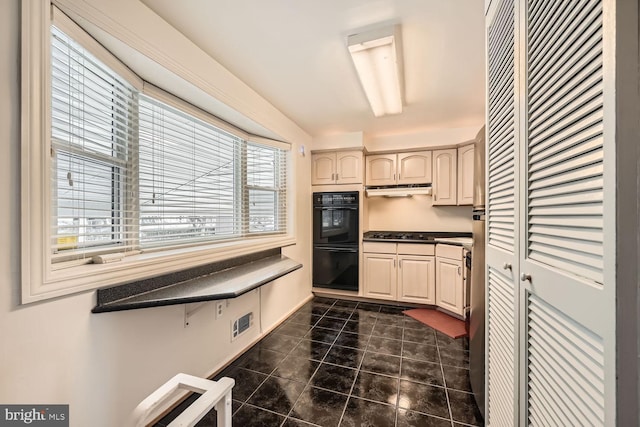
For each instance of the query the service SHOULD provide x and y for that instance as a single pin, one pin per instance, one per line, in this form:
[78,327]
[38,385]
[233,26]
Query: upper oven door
[335,225]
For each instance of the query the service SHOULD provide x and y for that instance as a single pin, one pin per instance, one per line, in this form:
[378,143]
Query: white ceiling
[293,53]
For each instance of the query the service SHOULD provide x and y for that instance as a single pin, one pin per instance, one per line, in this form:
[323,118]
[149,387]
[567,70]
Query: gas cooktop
[410,236]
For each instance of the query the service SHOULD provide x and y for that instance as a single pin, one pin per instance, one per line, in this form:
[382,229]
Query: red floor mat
[437,320]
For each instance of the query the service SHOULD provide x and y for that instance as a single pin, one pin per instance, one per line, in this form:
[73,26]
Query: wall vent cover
[240,325]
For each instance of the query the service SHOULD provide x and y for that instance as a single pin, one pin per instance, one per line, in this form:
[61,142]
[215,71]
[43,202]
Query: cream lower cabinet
[399,272]
[416,279]
[380,276]
[450,292]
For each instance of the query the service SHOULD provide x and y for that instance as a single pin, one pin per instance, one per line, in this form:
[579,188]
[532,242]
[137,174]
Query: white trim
[163,44]
[269,142]
[35,145]
[67,26]
[175,102]
[40,280]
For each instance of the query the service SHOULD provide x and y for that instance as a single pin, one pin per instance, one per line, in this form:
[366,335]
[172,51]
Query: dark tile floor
[343,363]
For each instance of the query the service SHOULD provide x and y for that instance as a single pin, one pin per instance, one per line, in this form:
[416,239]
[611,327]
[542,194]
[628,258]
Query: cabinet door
[445,177]
[449,292]
[414,168]
[416,279]
[381,170]
[323,168]
[349,167]
[465,174]
[380,276]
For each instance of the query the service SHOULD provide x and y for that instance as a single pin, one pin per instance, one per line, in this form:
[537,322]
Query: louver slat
[501,160]
[566,368]
[565,113]
[500,350]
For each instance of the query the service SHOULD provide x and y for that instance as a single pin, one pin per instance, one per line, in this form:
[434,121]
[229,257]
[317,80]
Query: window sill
[79,278]
[228,280]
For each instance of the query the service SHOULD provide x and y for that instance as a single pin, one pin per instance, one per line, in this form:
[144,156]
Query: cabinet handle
[394,176]
[394,263]
[337,176]
[459,270]
[525,277]
[400,263]
[507,266]
[333,177]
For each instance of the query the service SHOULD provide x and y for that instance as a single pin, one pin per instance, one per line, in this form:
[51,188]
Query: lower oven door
[336,267]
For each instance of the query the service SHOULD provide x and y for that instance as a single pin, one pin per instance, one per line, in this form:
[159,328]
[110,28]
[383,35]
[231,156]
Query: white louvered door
[550,236]
[502,212]
[568,308]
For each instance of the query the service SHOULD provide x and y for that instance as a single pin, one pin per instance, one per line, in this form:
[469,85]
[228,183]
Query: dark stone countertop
[229,282]
[422,237]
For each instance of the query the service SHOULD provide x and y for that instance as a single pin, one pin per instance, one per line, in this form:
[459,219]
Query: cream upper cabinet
[402,168]
[381,170]
[349,167]
[414,168]
[465,174]
[339,167]
[445,177]
[450,292]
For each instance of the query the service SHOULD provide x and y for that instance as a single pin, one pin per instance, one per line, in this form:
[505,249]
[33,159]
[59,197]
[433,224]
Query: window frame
[42,279]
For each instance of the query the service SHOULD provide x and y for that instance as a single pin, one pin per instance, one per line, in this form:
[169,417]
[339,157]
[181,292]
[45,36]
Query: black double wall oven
[335,240]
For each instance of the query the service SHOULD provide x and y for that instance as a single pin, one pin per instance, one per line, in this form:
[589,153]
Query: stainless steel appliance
[477,312]
[335,240]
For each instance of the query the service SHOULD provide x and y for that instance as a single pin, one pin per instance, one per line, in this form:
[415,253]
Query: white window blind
[266,170]
[189,177]
[131,172]
[93,122]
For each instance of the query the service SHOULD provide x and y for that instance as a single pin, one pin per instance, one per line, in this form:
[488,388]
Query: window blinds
[131,172]
[93,124]
[188,177]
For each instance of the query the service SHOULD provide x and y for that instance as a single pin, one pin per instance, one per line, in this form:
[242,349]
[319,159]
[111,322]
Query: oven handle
[320,208]
[345,250]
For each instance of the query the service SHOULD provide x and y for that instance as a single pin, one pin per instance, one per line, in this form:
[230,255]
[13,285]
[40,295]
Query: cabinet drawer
[449,251]
[379,248]
[416,249]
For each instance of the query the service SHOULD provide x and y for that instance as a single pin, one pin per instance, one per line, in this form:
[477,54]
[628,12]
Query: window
[133,173]
[92,132]
[121,180]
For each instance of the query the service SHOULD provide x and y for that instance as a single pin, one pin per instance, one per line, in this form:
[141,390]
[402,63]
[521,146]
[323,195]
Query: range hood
[399,190]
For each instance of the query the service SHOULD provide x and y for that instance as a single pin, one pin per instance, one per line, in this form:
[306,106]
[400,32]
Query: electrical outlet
[219,309]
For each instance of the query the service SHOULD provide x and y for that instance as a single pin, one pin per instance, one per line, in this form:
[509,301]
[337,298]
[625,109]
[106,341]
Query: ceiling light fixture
[377,57]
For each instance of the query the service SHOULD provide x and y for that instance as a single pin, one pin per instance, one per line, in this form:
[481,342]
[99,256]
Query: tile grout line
[399,376]
[444,380]
[308,384]
[270,374]
[358,369]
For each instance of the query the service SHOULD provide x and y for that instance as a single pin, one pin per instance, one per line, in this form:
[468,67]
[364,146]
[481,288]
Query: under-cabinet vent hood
[399,190]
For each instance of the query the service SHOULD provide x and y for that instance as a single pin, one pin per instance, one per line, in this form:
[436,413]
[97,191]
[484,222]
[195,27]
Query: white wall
[104,364]
[416,214]
[425,138]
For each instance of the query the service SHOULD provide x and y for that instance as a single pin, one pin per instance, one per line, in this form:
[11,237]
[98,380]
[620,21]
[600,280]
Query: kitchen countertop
[229,282]
[423,237]
[465,242]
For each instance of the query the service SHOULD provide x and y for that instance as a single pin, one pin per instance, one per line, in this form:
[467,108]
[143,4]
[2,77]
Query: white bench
[215,394]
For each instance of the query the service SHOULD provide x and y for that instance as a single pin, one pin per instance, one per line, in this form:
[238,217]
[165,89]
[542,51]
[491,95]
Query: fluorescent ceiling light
[377,58]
